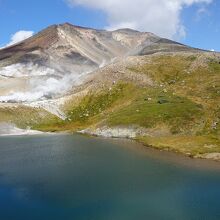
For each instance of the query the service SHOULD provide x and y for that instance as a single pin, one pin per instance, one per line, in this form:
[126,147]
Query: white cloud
[162,17]
[19,36]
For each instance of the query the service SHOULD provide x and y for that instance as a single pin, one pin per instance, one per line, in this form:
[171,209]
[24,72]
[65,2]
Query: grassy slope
[90,109]
[201,85]
[185,100]
[26,117]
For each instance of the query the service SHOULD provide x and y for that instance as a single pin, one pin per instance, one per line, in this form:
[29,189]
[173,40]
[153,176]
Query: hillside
[168,101]
[132,84]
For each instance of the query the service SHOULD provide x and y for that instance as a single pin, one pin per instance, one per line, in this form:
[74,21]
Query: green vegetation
[127,104]
[96,103]
[214,65]
[50,123]
[199,82]
[189,145]
[166,68]
[90,109]
[25,117]
[153,107]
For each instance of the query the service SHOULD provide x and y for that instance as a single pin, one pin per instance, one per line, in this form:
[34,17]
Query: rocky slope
[122,83]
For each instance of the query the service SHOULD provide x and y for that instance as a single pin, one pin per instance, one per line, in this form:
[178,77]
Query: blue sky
[196,24]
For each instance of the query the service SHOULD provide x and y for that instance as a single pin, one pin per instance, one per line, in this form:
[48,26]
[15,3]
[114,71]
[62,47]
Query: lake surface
[75,177]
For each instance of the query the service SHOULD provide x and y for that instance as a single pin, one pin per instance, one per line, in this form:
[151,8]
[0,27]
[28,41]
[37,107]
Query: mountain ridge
[50,35]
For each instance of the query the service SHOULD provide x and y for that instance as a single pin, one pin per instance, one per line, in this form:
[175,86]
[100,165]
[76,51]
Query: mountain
[85,46]
[51,62]
[121,83]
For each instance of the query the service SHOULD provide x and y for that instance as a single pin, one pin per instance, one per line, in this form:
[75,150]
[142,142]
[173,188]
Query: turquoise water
[75,177]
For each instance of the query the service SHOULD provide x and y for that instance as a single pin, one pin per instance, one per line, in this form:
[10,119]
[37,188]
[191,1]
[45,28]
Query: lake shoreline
[164,152]
[155,148]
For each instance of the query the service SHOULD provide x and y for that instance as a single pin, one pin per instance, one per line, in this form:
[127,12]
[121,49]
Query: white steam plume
[44,83]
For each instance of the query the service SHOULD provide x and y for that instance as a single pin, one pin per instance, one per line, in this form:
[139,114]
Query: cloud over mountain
[19,36]
[162,17]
